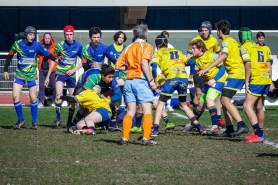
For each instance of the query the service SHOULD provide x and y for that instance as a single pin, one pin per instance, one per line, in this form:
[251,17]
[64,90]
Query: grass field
[52,156]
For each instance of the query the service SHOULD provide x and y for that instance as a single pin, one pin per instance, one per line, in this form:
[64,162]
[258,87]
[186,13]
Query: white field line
[271,144]
[179,115]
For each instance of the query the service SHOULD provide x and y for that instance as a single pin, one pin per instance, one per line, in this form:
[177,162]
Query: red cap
[68,28]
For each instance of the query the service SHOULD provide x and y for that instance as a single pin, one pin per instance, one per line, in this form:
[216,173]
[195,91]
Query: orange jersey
[132,56]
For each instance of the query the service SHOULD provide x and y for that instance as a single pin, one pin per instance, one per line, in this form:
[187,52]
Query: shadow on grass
[226,138]
[266,155]
[7,127]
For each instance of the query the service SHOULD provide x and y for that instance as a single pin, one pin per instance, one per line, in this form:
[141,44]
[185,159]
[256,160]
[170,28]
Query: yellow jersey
[171,62]
[233,64]
[204,61]
[91,100]
[211,44]
[266,50]
[260,74]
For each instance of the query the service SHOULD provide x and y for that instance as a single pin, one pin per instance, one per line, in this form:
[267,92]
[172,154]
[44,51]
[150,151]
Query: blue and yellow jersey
[92,54]
[91,100]
[113,53]
[233,64]
[69,52]
[266,50]
[204,61]
[260,74]
[211,43]
[27,60]
[171,62]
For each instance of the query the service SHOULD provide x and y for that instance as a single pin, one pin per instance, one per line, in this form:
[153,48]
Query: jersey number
[174,55]
[260,56]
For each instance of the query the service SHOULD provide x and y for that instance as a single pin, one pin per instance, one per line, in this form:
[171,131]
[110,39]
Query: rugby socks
[257,130]
[166,119]
[138,117]
[213,115]
[70,115]
[34,111]
[242,124]
[127,123]
[197,113]
[18,110]
[77,118]
[58,104]
[155,127]
[218,117]
[198,126]
[147,125]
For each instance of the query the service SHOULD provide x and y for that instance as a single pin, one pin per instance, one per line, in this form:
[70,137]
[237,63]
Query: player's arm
[91,81]
[146,71]
[247,64]
[116,91]
[220,73]
[121,62]
[111,56]
[220,59]
[8,61]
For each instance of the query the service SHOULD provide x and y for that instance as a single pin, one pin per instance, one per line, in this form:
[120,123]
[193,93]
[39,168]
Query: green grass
[52,156]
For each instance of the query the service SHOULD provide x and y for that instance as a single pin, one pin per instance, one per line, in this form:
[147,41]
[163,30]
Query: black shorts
[229,93]
[199,81]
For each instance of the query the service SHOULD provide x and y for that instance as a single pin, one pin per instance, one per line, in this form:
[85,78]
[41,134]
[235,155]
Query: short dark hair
[224,26]
[107,69]
[94,30]
[47,33]
[117,34]
[165,33]
[260,34]
[161,41]
[199,44]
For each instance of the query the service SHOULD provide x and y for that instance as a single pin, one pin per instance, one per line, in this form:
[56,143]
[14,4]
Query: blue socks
[58,104]
[242,124]
[77,118]
[71,113]
[155,127]
[257,130]
[139,117]
[213,115]
[18,110]
[34,111]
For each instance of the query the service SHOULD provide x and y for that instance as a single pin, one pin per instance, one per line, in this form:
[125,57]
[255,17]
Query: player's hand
[271,89]
[6,76]
[70,72]
[46,82]
[202,72]
[211,82]
[153,85]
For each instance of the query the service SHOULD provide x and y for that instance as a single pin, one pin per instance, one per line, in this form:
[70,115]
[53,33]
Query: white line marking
[180,115]
[271,144]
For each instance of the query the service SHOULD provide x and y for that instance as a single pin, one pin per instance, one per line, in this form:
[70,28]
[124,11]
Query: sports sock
[127,123]
[77,117]
[262,130]
[147,125]
[70,115]
[18,110]
[218,117]
[58,104]
[241,123]
[155,127]
[139,117]
[198,126]
[197,113]
[213,115]
[34,111]
[166,119]
[257,130]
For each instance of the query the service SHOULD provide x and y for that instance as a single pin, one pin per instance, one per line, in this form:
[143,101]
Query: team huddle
[147,80]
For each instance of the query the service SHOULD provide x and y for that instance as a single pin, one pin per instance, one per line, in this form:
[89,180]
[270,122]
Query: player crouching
[96,106]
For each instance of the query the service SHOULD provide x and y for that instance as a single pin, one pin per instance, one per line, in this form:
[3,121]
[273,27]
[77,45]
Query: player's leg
[33,103]
[220,121]
[71,84]
[158,113]
[58,102]
[41,94]
[17,86]
[138,117]
[52,82]
[211,97]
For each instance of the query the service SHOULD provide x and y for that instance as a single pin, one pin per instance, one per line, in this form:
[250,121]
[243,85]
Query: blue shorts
[71,82]
[137,90]
[105,117]
[175,84]
[29,83]
[218,86]
[258,90]
[234,84]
